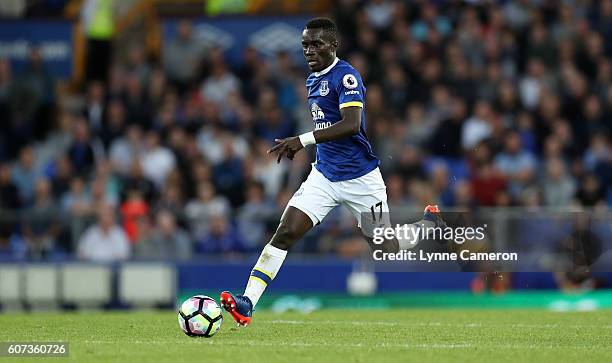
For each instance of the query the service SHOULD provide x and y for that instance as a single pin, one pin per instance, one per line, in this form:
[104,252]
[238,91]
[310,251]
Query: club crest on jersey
[349,81]
[317,112]
[324,90]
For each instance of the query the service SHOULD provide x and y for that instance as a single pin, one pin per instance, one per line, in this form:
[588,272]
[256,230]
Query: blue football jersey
[330,90]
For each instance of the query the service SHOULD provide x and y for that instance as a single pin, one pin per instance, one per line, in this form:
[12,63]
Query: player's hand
[288,147]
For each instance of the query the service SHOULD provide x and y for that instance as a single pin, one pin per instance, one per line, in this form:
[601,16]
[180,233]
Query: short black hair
[326,24]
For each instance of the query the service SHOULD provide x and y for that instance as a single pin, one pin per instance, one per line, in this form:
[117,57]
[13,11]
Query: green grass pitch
[326,336]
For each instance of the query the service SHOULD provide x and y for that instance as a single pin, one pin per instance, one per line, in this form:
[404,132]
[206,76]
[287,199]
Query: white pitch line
[441,346]
[257,343]
[431,324]
[355,322]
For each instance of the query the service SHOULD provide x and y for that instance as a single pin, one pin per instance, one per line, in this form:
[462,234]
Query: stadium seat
[11,294]
[86,285]
[41,286]
[147,284]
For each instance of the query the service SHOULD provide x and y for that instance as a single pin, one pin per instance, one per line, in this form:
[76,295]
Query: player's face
[319,49]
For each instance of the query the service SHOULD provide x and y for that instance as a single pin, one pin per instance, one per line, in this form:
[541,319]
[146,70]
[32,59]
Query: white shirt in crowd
[97,246]
[157,163]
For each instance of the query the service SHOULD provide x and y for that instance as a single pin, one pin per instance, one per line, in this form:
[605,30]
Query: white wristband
[307,138]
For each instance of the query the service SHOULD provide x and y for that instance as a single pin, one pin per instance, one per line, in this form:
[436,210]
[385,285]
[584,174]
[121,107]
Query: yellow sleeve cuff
[351,104]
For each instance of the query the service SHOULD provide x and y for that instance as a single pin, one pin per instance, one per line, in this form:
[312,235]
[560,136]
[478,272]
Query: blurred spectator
[136,180]
[6,87]
[165,241]
[95,108]
[532,83]
[590,192]
[430,20]
[157,160]
[9,194]
[420,127]
[228,176]
[526,130]
[590,123]
[105,241]
[77,204]
[558,186]
[126,149]
[598,152]
[77,201]
[212,143]
[479,126]
[221,82]
[603,169]
[182,56]
[410,163]
[603,23]
[199,211]
[440,179]
[81,152]
[266,170]
[61,174]
[98,22]
[396,192]
[25,174]
[539,46]
[138,65]
[110,181]
[446,139]
[9,200]
[133,209]
[274,125]
[486,184]
[114,124]
[380,13]
[222,237]
[463,198]
[515,163]
[137,106]
[41,222]
[34,99]
[254,216]
[100,195]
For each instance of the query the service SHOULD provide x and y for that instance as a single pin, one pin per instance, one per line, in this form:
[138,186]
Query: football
[200,316]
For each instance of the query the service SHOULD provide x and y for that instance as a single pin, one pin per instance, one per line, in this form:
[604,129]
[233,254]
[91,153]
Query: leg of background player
[293,225]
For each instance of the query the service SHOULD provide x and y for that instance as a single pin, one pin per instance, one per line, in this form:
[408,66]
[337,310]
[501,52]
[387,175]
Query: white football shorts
[365,197]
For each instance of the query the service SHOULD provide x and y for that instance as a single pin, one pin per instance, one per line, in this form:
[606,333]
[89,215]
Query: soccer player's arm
[348,126]
[350,99]
[350,96]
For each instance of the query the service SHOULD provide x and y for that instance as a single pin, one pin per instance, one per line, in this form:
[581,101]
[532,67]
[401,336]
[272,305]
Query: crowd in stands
[467,106]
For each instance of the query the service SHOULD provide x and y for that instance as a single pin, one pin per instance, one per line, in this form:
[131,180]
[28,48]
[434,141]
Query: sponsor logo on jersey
[322,125]
[324,90]
[349,81]
[353,92]
[316,112]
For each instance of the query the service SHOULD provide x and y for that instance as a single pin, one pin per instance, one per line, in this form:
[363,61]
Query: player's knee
[285,237]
